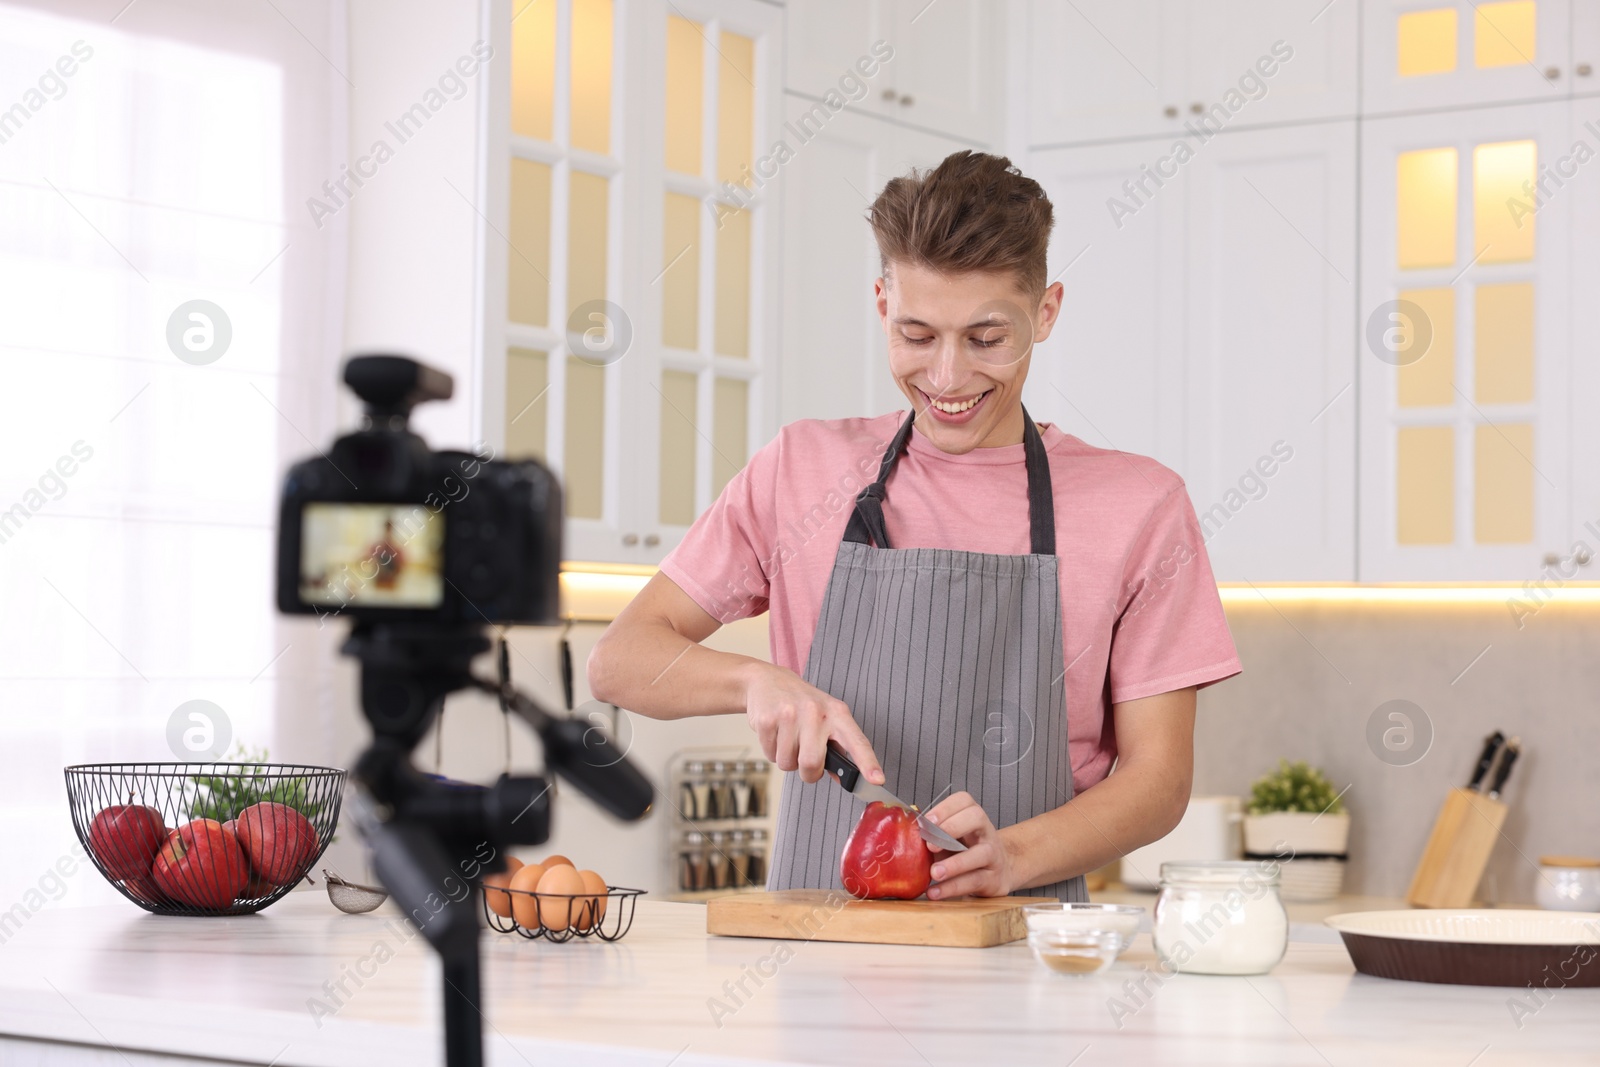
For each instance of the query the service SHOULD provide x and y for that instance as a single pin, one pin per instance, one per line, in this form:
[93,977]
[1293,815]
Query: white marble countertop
[241,989]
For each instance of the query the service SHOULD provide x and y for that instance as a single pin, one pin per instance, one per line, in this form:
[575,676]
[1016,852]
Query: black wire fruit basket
[204,838]
[561,917]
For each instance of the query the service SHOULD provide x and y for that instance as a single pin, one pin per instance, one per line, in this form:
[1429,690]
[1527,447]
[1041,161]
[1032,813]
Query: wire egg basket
[561,917]
[204,838]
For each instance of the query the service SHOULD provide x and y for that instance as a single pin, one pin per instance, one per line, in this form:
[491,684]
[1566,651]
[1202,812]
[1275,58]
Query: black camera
[382,528]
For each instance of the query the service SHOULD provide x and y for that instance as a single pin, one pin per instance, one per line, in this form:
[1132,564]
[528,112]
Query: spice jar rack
[723,802]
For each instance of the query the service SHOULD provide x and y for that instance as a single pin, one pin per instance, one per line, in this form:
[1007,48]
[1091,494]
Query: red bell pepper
[885,857]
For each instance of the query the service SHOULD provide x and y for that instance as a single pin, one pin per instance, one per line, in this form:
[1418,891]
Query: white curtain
[153,155]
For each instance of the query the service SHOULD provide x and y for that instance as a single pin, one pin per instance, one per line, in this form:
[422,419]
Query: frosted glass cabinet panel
[1467,373]
[631,257]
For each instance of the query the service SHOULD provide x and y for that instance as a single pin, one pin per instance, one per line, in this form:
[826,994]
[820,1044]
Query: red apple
[125,837]
[256,888]
[144,887]
[201,864]
[279,841]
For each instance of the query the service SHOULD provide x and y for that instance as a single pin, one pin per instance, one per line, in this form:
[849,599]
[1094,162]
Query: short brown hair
[973,212]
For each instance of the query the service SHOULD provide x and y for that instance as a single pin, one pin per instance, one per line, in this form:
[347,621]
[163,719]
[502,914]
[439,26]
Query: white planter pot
[1312,847]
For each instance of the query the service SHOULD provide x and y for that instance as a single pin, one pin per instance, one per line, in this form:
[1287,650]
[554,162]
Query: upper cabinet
[631,257]
[1427,54]
[1114,69]
[930,65]
[1467,453]
[1207,324]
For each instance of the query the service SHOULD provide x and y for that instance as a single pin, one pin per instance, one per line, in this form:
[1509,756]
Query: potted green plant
[1298,818]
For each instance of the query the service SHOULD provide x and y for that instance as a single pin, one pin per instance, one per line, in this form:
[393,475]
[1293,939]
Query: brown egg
[557,861]
[525,908]
[596,905]
[499,902]
[555,910]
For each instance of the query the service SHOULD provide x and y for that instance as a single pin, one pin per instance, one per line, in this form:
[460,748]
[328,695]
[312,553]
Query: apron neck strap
[866,526]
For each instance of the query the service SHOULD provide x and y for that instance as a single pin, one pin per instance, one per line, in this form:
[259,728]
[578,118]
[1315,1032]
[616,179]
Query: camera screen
[371,555]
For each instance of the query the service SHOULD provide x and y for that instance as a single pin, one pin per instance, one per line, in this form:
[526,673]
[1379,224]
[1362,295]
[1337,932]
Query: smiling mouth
[955,407]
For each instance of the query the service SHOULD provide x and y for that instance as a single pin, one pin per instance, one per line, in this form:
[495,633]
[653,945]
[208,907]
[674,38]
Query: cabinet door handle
[1584,70]
[630,539]
[1194,109]
[1583,556]
[1552,73]
[651,540]
[906,101]
[890,95]
[1171,112]
[1552,559]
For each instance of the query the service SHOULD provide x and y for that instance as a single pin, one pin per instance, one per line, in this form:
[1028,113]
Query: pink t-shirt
[1140,611]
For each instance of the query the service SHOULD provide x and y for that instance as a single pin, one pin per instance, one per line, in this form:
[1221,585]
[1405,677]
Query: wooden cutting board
[832,915]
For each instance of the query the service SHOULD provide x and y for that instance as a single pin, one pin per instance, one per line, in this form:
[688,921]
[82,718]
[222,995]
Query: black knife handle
[1491,745]
[841,767]
[1513,750]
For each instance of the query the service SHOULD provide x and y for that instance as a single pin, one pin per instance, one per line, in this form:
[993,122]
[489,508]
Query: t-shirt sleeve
[721,561]
[1171,632]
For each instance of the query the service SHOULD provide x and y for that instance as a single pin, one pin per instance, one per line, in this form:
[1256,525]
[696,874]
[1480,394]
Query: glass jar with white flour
[1220,917]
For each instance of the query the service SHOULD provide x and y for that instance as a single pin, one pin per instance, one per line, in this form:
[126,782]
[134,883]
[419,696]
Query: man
[998,615]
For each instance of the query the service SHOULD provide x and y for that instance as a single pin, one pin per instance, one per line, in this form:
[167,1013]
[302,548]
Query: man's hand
[795,721]
[984,869]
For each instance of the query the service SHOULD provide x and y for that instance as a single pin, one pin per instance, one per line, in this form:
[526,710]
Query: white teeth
[956,409]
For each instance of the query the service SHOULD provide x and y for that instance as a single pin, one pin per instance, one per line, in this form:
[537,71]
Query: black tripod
[431,840]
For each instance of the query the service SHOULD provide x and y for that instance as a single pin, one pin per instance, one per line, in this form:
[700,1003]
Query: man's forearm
[653,670]
[1131,808]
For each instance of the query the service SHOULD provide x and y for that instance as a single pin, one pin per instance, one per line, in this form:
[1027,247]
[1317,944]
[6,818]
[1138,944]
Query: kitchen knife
[843,768]
[1491,746]
[1513,750]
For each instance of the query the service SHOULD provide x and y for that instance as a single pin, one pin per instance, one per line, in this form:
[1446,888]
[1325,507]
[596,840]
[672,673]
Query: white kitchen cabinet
[1585,50]
[631,257]
[1457,53]
[1467,387]
[1583,333]
[1116,69]
[944,75]
[835,360]
[1269,362]
[1102,69]
[1107,371]
[1212,330]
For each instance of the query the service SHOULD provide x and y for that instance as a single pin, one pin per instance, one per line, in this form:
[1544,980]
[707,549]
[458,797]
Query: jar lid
[718,767]
[1568,861]
[695,766]
[694,837]
[1221,872]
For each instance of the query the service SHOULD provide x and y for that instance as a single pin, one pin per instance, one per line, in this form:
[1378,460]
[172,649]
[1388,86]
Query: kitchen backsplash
[1315,673]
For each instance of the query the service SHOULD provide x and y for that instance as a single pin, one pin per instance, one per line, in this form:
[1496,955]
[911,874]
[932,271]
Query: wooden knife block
[1458,850]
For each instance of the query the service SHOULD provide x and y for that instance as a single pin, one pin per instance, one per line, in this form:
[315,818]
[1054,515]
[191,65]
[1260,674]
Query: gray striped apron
[951,663]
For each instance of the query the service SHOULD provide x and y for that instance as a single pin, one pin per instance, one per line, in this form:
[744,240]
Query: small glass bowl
[1085,918]
[1075,952]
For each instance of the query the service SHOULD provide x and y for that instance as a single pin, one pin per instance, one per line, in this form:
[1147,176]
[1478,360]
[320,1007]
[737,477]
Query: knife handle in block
[1458,850]
[841,767]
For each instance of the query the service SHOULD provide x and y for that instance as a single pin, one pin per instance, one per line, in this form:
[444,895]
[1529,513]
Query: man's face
[959,348]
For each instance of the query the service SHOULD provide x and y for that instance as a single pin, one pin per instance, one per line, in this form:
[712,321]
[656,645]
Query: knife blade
[1491,747]
[1513,750]
[844,770]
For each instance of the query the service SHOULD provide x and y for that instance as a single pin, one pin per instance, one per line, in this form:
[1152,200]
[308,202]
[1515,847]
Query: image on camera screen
[371,555]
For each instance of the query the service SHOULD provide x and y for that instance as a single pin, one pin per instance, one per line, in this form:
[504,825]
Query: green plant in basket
[223,797]
[1294,787]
